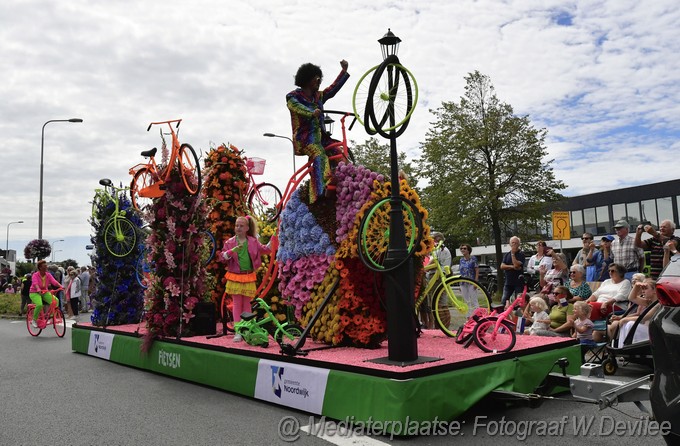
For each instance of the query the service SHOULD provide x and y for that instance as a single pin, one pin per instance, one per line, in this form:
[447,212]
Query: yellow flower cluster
[327,326]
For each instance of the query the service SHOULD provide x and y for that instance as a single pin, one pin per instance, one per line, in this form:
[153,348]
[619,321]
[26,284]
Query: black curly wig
[306,73]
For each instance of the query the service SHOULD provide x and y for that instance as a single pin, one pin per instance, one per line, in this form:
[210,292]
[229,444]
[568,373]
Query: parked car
[664,334]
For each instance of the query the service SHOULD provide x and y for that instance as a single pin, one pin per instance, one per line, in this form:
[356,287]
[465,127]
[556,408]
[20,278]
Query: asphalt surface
[51,395]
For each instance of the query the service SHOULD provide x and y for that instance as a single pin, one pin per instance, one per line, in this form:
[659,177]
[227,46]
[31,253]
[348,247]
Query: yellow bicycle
[447,299]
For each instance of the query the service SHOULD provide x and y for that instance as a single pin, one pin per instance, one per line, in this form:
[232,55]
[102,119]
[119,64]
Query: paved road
[51,395]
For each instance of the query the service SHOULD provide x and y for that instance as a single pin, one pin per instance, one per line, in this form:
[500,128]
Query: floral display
[314,264]
[175,248]
[224,193]
[37,249]
[118,297]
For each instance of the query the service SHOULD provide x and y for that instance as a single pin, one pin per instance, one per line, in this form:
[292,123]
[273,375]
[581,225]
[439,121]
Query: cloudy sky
[601,76]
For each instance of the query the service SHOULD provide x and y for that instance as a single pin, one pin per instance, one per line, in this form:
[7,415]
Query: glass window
[619,213]
[576,223]
[589,221]
[649,212]
[603,223]
[633,210]
[664,206]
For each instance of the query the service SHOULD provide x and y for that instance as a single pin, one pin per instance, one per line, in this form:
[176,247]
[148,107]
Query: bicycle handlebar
[345,115]
[165,122]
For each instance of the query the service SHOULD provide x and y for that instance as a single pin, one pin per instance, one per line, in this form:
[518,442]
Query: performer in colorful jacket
[306,113]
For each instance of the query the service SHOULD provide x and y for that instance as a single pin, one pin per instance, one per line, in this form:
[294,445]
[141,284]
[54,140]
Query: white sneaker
[238,338]
[33,324]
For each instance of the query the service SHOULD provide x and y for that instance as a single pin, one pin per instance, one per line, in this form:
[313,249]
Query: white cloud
[601,76]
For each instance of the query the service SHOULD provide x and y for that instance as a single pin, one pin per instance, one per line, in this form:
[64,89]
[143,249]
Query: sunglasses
[463,249]
[572,272]
[586,238]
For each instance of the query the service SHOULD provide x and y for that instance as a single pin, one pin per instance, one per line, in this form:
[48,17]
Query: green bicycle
[452,298]
[120,234]
[255,332]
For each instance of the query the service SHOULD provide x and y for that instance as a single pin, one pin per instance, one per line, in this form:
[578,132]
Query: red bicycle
[50,315]
[299,175]
[494,332]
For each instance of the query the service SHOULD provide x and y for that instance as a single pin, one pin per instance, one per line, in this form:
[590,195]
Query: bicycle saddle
[151,152]
[106,182]
[247,316]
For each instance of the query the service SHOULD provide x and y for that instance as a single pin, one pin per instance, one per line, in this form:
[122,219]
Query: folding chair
[594,352]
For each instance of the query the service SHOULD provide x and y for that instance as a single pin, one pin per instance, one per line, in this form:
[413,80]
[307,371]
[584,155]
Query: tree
[486,168]
[68,262]
[376,157]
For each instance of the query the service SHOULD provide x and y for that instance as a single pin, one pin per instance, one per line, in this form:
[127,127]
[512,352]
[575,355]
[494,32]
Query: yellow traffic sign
[561,226]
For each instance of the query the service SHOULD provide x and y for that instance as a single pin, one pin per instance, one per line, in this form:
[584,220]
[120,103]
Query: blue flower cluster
[300,235]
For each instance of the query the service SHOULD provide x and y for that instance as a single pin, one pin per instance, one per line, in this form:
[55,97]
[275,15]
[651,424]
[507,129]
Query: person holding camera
[655,244]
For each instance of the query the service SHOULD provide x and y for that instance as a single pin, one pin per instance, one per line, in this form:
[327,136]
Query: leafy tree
[23,268]
[376,157]
[488,176]
[69,262]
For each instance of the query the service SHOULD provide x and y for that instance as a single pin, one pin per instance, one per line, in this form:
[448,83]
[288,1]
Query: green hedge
[10,303]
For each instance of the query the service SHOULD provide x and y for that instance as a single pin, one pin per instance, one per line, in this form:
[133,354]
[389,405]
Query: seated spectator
[612,291]
[539,318]
[578,286]
[551,279]
[643,294]
[561,316]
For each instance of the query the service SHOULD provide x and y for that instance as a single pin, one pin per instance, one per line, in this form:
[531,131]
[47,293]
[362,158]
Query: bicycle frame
[155,190]
[254,328]
[440,273]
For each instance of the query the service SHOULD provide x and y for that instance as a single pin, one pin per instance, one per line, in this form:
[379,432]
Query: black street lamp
[389,44]
[272,135]
[328,124]
[42,151]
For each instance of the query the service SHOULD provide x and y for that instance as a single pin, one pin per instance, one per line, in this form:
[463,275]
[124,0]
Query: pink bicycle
[263,198]
[492,332]
[51,315]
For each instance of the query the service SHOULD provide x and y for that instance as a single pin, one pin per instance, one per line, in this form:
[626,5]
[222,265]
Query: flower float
[175,248]
[118,297]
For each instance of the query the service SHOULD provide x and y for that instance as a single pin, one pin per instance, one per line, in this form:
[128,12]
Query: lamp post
[7,240]
[272,135]
[42,151]
[52,245]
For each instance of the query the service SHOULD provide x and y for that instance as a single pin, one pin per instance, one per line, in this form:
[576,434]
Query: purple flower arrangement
[354,186]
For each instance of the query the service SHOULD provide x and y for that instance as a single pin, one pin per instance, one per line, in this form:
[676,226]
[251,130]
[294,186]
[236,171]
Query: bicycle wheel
[120,236]
[33,331]
[190,169]
[448,315]
[388,100]
[295,331]
[263,201]
[143,178]
[500,342]
[143,269]
[360,99]
[374,233]
[59,322]
[208,248]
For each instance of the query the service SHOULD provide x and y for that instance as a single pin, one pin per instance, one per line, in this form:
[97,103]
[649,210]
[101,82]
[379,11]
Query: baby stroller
[631,343]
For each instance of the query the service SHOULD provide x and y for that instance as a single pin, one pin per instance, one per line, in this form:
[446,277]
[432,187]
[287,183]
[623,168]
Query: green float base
[337,392]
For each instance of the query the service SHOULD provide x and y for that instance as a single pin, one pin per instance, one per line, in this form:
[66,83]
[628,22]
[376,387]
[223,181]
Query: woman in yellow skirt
[243,253]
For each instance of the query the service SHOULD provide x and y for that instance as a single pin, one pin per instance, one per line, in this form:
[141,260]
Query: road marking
[342,438]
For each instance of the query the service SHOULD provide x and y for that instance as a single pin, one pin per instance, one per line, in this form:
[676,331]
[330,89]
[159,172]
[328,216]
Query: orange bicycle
[148,179]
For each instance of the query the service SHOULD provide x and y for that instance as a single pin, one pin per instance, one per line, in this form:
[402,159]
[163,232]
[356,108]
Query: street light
[42,151]
[272,135]
[7,240]
[52,246]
